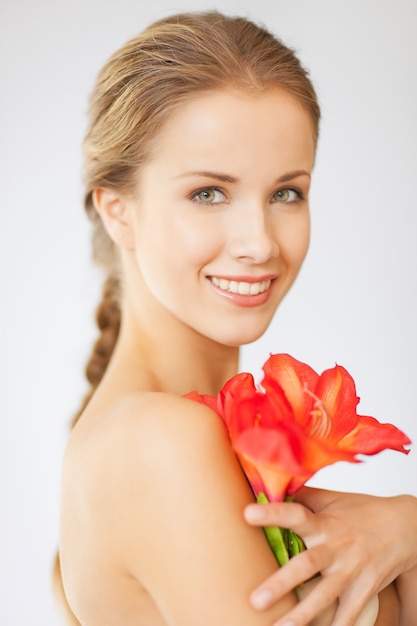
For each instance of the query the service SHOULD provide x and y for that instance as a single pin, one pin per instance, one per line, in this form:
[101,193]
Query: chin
[241,336]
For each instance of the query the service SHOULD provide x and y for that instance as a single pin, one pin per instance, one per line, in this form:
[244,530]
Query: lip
[244,300]
[245,279]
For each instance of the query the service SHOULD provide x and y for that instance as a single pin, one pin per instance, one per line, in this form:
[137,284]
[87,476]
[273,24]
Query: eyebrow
[286,177]
[227,178]
[224,178]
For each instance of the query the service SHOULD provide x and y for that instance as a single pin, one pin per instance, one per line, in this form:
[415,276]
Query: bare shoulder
[139,418]
[144,438]
[144,422]
[150,413]
[166,496]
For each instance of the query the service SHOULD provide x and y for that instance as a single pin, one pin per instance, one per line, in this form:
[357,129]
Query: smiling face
[220,218]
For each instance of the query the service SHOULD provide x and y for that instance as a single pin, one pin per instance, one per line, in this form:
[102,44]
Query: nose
[253,237]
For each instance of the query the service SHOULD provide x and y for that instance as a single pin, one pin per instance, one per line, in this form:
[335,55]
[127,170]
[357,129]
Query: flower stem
[275,537]
[284,542]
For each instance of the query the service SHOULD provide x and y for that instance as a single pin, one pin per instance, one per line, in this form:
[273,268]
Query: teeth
[242,288]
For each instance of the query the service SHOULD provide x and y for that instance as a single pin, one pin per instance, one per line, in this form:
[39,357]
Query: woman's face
[221,217]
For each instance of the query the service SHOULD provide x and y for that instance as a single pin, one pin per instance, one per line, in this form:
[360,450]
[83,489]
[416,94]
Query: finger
[283,514]
[356,607]
[314,498]
[298,569]
[317,596]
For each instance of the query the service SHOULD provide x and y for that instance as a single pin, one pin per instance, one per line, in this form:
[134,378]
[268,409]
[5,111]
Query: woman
[198,163]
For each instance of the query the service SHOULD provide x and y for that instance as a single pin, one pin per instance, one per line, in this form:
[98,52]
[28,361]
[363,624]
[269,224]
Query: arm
[174,499]
[359,543]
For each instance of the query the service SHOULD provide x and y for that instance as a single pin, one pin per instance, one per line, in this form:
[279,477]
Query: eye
[287,195]
[208,195]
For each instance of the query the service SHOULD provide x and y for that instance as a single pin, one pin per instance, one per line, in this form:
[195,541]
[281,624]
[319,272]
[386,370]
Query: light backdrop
[354,302]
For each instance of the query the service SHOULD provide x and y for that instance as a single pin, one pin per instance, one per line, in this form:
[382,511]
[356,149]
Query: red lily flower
[298,423]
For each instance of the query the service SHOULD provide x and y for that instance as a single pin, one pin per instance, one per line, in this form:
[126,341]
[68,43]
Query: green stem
[284,543]
[275,537]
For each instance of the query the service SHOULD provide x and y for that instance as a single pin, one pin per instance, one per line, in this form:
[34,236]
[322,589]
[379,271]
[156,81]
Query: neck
[158,352]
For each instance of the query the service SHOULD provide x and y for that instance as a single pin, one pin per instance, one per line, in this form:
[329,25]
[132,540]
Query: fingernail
[254,513]
[261,599]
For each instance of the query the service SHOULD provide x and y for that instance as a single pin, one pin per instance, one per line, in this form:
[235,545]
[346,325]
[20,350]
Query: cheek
[295,240]
[194,239]
[170,245]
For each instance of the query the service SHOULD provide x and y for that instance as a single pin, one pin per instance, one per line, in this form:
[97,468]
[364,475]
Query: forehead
[236,125]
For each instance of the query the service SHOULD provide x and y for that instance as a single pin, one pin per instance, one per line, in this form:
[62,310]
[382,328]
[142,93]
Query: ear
[113,210]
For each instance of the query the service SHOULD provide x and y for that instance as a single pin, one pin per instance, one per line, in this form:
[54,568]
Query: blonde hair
[170,62]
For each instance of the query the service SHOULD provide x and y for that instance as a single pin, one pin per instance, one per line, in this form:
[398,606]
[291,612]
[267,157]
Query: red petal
[293,377]
[318,453]
[268,480]
[337,393]
[269,459]
[370,437]
[210,401]
[241,386]
[238,404]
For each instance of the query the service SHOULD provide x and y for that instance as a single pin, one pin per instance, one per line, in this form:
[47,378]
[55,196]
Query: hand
[359,543]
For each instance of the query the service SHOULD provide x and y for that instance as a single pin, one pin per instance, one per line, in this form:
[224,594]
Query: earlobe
[114,214]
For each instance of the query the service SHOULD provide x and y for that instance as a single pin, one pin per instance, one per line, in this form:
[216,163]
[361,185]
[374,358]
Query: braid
[108,322]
